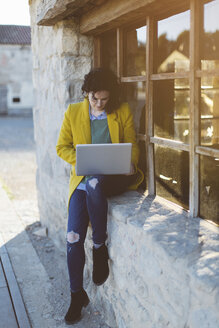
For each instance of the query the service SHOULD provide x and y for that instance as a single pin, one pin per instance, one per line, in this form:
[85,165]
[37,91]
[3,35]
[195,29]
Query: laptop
[104,159]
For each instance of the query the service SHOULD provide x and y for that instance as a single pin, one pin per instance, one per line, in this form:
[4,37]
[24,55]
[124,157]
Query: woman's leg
[97,208]
[76,232]
[98,188]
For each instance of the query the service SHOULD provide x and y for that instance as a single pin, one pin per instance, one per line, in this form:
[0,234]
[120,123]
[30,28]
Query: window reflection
[171,109]
[210,112]
[172,175]
[173,43]
[135,52]
[135,95]
[209,188]
[210,38]
[210,85]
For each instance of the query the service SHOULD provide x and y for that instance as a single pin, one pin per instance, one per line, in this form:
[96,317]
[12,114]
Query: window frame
[194,75]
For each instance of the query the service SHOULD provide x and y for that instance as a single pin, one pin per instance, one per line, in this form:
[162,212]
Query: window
[209,113]
[108,51]
[169,70]
[172,175]
[135,51]
[173,43]
[171,109]
[16,100]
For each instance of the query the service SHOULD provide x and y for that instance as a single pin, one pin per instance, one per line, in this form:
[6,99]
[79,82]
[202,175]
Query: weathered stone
[85,45]
[42,232]
[58,73]
[74,89]
[67,42]
[75,67]
[202,318]
[52,11]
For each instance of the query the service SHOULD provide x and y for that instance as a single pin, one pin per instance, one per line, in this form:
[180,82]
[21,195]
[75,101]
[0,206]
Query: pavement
[34,287]
[13,313]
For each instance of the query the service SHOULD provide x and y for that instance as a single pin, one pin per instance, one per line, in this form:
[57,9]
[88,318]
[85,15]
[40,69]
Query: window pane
[172,175]
[210,112]
[209,188]
[173,43]
[135,95]
[135,52]
[142,162]
[210,45]
[171,109]
[109,58]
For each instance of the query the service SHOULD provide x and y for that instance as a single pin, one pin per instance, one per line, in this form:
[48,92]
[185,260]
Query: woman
[100,118]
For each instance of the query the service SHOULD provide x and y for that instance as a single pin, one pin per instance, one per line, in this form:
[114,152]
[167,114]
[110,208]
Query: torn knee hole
[93,182]
[72,237]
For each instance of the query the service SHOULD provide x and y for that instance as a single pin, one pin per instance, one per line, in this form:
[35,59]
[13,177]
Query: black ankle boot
[100,265]
[78,300]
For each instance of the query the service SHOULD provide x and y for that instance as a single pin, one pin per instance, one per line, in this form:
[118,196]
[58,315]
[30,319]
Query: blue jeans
[85,206]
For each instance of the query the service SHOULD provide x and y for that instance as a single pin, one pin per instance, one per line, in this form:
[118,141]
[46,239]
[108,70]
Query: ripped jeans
[85,206]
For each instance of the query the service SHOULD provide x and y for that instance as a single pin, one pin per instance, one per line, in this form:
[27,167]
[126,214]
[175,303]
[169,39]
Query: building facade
[16,88]
[165,54]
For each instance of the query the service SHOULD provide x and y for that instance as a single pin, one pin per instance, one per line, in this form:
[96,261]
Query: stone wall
[164,267]
[61,57]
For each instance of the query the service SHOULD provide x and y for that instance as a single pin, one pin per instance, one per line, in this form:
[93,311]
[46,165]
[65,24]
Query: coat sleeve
[130,135]
[64,147]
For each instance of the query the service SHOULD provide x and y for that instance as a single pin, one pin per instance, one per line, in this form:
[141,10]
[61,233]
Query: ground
[17,175]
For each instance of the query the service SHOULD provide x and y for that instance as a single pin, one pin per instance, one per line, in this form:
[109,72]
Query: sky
[179,23]
[14,12]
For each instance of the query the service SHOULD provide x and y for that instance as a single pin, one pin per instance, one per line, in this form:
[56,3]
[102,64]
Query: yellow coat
[76,130]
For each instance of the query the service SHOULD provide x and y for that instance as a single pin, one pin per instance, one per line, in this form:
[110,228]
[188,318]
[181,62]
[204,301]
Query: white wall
[16,74]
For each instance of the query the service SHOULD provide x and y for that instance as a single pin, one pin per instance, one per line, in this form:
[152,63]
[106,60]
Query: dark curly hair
[99,79]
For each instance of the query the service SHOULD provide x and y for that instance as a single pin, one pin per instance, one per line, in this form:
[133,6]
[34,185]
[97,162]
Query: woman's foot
[100,265]
[78,300]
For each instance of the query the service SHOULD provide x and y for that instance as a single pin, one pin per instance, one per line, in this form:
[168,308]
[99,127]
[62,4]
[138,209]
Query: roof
[15,34]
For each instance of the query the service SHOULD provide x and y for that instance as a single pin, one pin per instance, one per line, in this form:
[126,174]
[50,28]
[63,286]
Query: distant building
[16,89]
[176,61]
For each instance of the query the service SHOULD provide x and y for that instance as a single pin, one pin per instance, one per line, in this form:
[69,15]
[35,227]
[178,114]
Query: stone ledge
[53,11]
[164,266]
[178,235]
